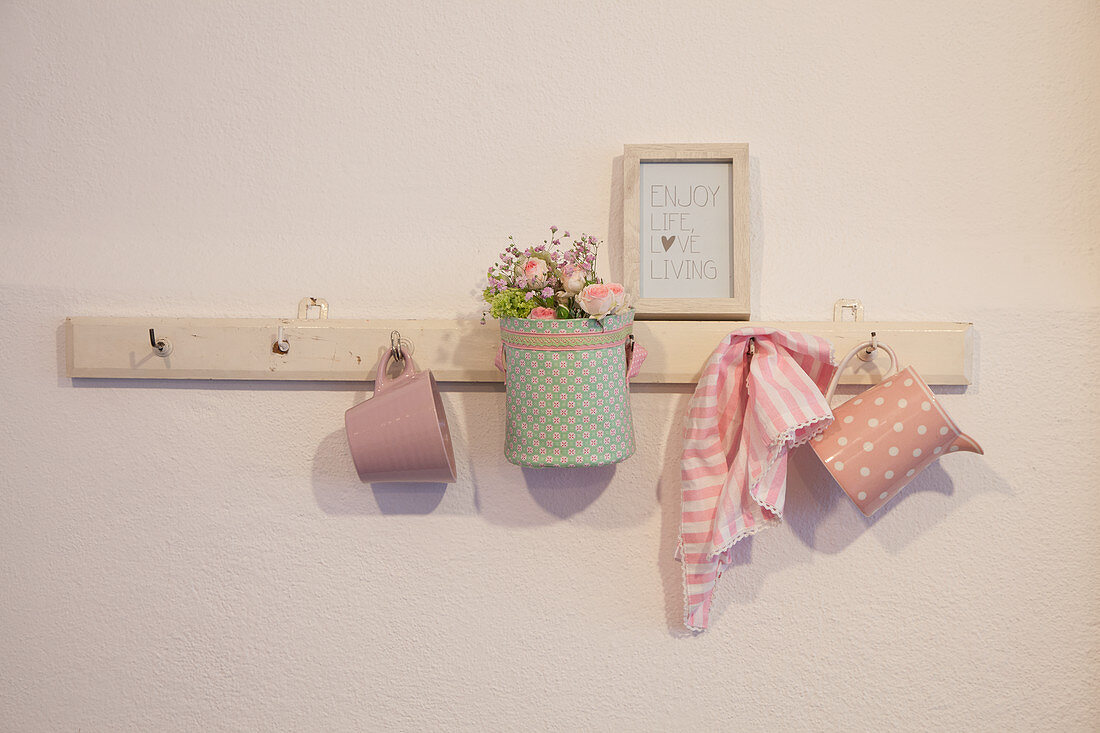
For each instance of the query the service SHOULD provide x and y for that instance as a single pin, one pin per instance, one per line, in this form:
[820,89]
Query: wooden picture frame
[700,269]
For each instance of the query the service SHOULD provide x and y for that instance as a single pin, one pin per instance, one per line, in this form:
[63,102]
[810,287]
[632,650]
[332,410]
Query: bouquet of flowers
[547,281]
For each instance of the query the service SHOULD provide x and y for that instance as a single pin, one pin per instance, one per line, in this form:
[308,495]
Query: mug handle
[381,381]
[865,345]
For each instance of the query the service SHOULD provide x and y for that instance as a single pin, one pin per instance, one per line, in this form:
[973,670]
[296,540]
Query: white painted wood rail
[455,350]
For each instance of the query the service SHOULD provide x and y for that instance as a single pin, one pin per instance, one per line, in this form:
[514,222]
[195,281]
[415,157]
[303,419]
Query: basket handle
[635,355]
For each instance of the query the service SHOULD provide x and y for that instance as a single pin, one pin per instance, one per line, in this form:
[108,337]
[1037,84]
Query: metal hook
[869,354]
[395,345]
[162,346]
[281,344]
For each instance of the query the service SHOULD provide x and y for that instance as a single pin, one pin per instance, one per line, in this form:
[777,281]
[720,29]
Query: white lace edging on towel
[783,443]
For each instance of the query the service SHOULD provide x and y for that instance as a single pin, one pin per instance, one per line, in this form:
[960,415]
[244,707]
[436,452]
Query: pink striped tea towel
[747,411]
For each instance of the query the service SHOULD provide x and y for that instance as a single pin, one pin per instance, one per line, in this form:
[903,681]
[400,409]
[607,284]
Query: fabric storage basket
[568,400]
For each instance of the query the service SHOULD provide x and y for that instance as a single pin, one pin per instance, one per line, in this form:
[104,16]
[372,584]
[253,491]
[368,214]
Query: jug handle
[865,345]
[381,381]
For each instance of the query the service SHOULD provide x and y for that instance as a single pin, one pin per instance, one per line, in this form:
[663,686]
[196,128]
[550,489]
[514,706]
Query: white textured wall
[202,557]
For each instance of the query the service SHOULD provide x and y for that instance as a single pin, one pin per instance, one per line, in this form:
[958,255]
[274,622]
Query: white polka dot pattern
[888,434]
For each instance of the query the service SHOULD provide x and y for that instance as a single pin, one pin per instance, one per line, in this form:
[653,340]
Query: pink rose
[596,299]
[535,271]
[544,313]
[620,295]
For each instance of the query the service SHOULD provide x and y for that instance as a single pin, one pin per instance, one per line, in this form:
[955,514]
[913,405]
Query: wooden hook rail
[455,350]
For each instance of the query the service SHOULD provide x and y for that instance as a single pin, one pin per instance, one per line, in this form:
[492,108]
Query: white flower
[574,281]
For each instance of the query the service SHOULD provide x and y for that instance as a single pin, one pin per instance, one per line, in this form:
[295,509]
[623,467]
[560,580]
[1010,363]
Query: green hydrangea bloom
[510,303]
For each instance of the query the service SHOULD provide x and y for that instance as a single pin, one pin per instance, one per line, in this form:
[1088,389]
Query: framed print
[686,230]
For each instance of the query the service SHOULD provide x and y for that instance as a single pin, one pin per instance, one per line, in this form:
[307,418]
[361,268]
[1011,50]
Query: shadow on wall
[487,484]
[338,489]
[560,492]
[564,492]
[615,221]
[511,496]
[818,513]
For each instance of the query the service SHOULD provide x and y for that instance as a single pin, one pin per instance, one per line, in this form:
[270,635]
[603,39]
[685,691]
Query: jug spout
[965,442]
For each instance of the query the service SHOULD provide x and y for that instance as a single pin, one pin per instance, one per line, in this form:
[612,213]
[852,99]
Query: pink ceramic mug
[400,433]
[882,438]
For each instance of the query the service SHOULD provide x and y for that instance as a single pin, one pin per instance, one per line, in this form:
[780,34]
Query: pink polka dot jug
[885,436]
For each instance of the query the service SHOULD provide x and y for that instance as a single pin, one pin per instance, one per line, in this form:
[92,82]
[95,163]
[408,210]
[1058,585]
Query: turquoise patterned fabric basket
[568,398]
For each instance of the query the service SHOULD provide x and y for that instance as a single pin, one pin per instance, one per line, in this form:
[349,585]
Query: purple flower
[530,294]
[553,229]
[547,291]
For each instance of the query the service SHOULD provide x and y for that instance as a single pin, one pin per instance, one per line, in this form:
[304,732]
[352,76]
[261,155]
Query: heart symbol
[667,241]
